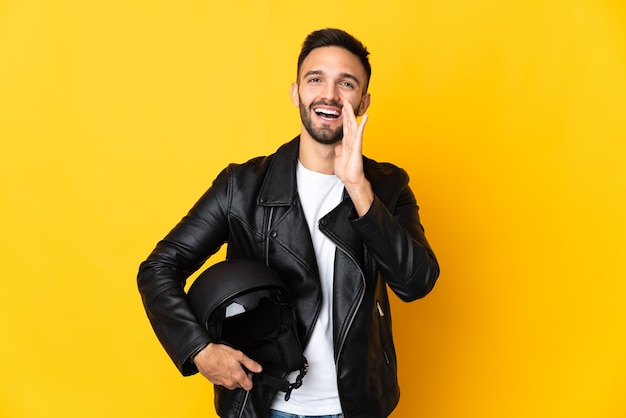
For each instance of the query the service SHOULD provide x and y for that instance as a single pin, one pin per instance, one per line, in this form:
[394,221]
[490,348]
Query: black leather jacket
[254,207]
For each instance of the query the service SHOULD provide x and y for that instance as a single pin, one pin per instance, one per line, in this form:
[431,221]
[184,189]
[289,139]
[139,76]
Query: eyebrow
[342,75]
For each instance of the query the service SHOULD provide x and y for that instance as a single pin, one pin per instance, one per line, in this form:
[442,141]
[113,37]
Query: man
[337,226]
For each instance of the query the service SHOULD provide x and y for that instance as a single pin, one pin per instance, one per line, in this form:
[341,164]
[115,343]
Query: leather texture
[254,207]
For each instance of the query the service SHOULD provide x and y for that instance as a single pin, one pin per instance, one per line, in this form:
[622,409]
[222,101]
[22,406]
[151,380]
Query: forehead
[333,60]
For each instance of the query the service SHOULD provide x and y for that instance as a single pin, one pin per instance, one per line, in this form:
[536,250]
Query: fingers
[245,380]
[348,153]
[350,124]
[362,125]
[224,366]
[352,129]
[250,364]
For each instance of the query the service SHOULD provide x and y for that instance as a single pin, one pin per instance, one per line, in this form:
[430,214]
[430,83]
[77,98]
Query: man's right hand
[224,366]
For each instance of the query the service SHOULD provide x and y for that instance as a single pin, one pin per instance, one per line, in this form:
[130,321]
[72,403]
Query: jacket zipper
[243,405]
[267,237]
[356,309]
[354,312]
[381,313]
[267,263]
[267,255]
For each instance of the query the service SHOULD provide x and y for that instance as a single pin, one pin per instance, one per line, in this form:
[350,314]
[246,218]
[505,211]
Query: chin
[330,139]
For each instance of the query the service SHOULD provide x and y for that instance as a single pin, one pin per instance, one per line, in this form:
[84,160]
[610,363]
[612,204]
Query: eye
[314,80]
[347,84]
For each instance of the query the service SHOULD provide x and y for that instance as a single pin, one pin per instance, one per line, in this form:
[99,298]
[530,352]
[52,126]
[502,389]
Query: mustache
[332,103]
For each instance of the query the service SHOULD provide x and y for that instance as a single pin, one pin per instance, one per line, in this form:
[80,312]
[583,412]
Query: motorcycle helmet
[245,304]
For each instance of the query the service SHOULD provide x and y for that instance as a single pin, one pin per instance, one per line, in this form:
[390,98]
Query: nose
[331,93]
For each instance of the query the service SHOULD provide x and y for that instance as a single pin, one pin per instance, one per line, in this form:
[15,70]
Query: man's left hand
[349,161]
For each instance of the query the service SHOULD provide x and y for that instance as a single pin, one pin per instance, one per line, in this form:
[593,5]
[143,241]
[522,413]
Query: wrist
[197,351]
[362,196]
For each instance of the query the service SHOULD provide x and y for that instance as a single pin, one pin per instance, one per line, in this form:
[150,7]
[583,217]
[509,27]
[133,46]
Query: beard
[324,134]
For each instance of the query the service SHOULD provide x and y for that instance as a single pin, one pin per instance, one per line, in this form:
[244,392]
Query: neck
[315,156]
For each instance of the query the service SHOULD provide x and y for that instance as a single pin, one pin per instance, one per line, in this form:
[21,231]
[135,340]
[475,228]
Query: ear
[365,103]
[295,97]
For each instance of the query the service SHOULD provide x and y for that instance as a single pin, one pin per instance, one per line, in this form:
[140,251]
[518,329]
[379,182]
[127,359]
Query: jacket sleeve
[162,276]
[397,241]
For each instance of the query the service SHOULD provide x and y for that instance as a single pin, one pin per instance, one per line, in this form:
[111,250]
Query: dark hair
[335,37]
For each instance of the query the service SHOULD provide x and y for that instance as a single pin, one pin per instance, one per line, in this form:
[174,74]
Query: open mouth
[327,114]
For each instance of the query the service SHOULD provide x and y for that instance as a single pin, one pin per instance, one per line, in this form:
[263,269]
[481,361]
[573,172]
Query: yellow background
[509,115]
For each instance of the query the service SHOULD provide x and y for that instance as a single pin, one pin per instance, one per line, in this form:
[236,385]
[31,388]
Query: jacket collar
[279,186]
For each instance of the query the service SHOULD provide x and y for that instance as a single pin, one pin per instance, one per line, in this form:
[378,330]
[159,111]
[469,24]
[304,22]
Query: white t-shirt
[319,194]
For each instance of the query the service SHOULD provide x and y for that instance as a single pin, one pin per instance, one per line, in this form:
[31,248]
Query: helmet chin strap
[283,384]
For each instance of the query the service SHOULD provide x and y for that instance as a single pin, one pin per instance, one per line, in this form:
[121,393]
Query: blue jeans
[278,414]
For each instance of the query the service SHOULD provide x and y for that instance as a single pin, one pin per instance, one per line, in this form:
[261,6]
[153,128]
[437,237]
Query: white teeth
[327,112]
